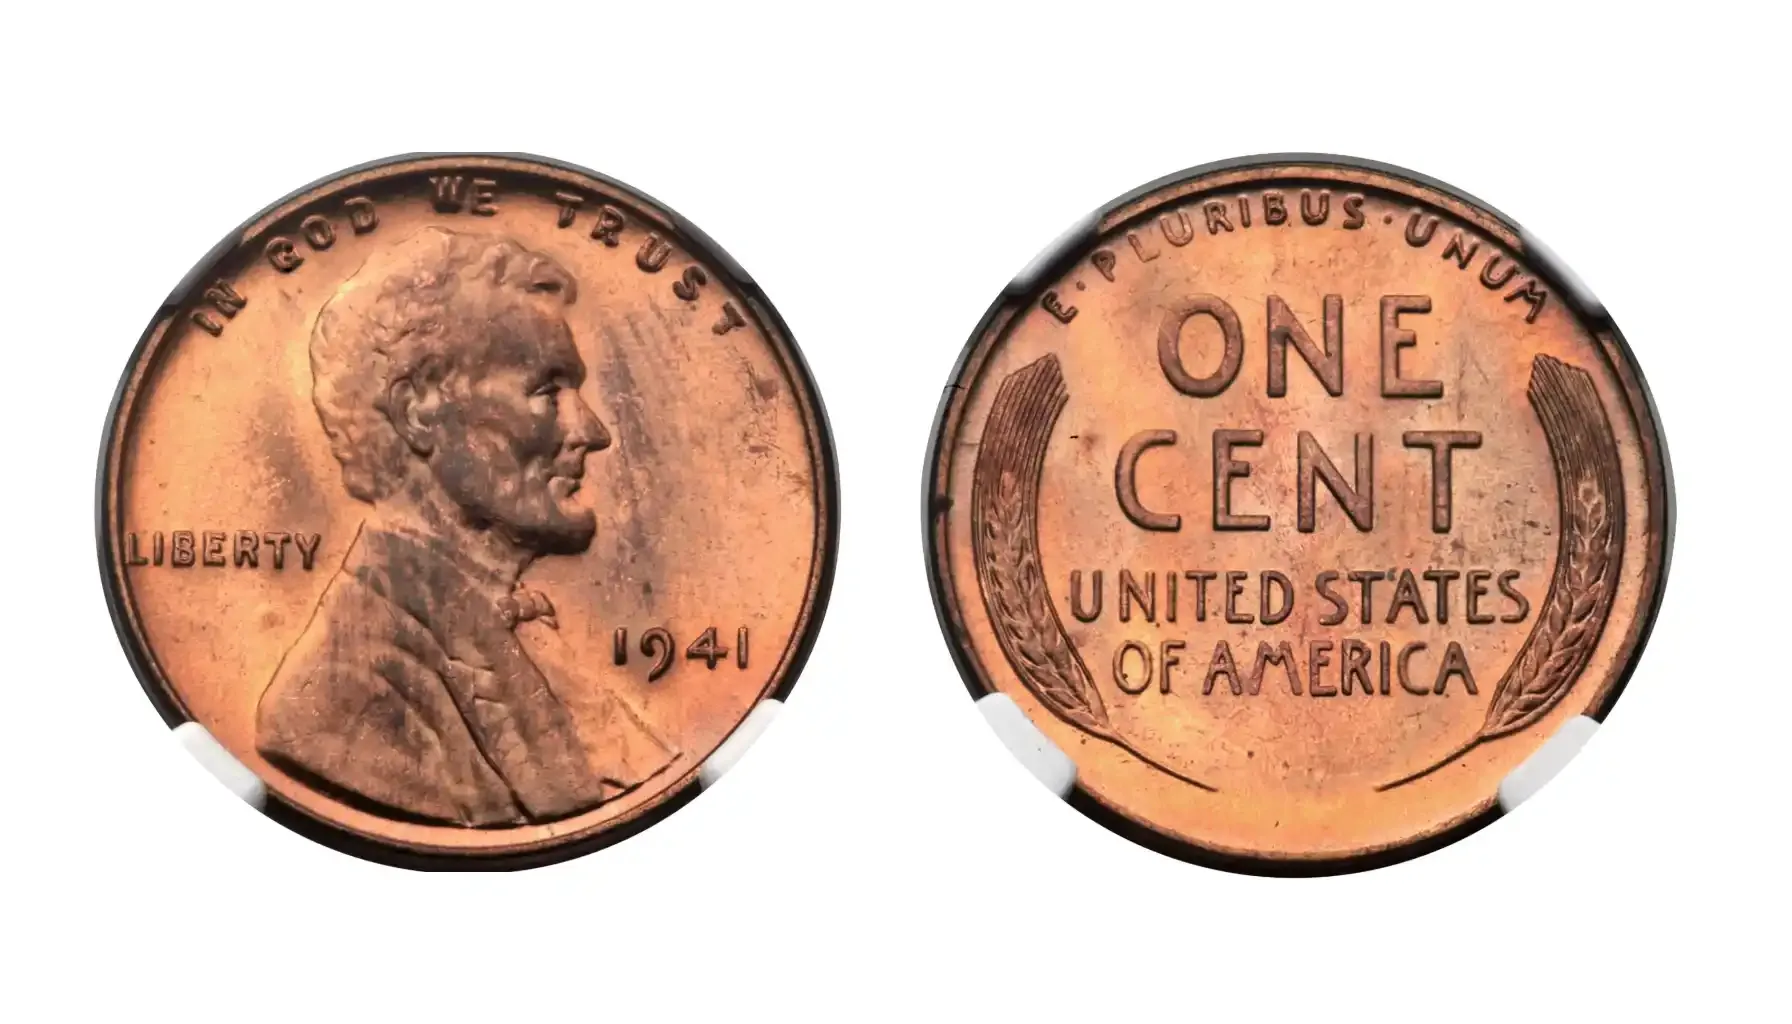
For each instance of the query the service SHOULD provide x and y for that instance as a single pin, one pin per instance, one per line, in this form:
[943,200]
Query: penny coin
[1298,500]
[470,502]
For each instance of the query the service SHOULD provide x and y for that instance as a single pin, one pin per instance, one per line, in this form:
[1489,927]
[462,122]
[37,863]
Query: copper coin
[1298,500]
[471,502]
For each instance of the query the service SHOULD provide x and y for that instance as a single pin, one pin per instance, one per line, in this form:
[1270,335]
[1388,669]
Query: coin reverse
[1298,500]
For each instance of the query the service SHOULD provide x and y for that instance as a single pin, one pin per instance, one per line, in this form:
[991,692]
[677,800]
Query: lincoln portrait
[447,381]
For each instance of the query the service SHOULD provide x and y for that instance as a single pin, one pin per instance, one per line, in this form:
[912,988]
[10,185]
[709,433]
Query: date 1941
[657,644]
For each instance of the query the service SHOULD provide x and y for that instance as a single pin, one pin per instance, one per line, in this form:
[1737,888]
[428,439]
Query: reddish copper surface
[1456,414]
[470,502]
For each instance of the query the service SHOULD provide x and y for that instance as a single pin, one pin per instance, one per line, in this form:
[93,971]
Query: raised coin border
[1024,290]
[795,656]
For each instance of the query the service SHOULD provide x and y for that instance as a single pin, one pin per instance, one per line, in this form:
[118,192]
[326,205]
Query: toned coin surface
[470,502]
[1298,500]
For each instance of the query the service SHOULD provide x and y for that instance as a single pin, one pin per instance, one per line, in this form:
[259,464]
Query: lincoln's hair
[411,313]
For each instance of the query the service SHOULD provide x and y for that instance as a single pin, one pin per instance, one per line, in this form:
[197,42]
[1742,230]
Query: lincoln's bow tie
[525,604]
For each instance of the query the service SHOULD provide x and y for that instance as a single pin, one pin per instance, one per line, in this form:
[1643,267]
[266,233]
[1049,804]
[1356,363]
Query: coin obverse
[1297,500]
[471,502]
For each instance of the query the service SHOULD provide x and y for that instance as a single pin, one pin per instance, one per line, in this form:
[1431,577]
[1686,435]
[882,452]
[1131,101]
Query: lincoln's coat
[409,691]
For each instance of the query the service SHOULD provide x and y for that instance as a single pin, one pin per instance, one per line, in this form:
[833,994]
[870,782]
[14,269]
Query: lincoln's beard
[535,511]
[568,531]
[499,520]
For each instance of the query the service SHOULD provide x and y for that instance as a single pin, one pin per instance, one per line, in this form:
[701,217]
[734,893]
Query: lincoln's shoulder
[358,639]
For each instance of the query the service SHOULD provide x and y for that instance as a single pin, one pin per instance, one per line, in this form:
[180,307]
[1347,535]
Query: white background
[879,855]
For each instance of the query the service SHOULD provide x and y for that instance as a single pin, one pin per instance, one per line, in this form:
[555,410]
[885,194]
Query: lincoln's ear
[408,408]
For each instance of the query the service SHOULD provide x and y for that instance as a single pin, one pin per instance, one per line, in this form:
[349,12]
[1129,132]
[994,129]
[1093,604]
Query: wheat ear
[1005,545]
[1590,501]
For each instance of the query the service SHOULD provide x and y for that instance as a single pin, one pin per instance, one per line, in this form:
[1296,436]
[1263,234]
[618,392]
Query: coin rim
[120,606]
[1024,289]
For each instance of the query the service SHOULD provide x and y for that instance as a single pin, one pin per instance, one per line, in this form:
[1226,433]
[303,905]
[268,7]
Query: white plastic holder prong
[1534,772]
[1577,289]
[738,741]
[1029,275]
[223,765]
[1031,747]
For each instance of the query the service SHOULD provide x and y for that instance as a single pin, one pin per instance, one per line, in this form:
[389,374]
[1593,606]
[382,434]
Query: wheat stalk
[1590,500]
[1005,546]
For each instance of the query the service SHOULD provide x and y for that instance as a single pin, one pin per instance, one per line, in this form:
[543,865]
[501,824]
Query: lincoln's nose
[585,430]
